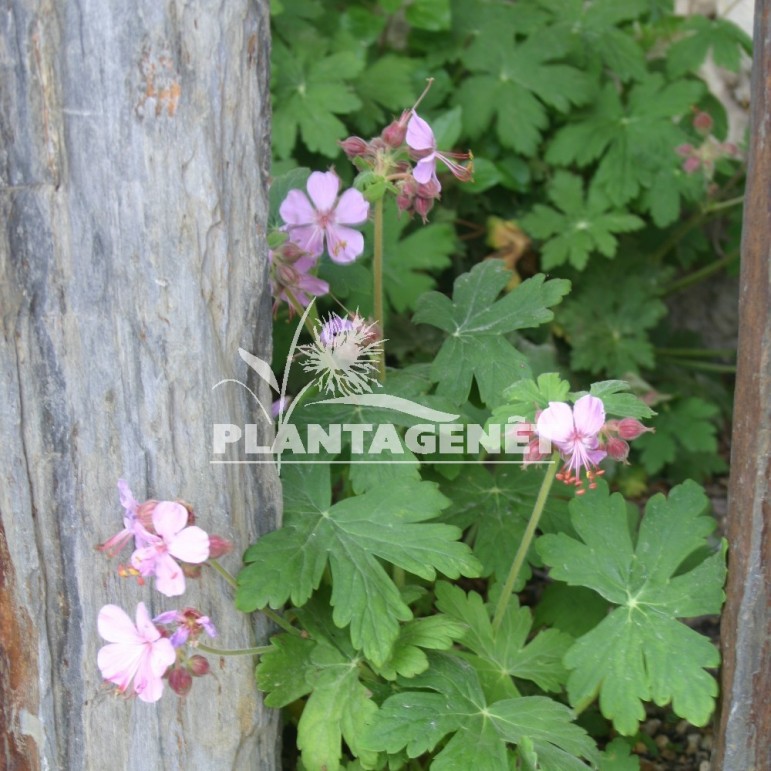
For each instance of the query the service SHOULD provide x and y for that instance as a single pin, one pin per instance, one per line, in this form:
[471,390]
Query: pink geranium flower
[172,539]
[136,652]
[323,219]
[421,140]
[575,433]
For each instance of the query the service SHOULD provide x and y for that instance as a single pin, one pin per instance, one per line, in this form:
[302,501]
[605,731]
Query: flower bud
[430,189]
[180,681]
[617,449]
[355,147]
[629,428]
[198,665]
[702,122]
[423,206]
[219,546]
[190,571]
[691,164]
[403,202]
[395,132]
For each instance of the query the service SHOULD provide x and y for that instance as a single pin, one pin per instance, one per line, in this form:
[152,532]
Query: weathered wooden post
[133,167]
[745,723]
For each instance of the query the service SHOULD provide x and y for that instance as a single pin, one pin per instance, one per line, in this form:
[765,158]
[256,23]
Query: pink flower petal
[313,285]
[322,188]
[149,690]
[190,545]
[148,631]
[589,415]
[296,209]
[162,656]
[143,559]
[352,208]
[127,499]
[169,518]
[147,681]
[118,663]
[595,456]
[344,244]
[115,626]
[419,134]
[425,169]
[556,422]
[305,263]
[310,238]
[169,578]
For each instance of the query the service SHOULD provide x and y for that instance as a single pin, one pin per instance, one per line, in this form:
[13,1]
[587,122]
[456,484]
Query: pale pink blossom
[421,140]
[135,652]
[575,432]
[321,220]
[172,541]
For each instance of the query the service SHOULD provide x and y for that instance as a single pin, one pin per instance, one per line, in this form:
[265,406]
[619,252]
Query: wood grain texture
[745,721]
[134,156]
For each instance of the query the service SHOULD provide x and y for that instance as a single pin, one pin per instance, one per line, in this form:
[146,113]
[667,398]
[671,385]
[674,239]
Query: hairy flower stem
[377,281]
[256,651]
[527,539]
[267,612]
[227,575]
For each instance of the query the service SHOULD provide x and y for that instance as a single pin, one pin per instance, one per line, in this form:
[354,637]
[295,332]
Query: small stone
[682,727]
[661,741]
[694,741]
[651,727]
[706,742]
[705,766]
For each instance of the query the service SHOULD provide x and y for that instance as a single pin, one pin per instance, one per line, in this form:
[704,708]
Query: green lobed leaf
[580,228]
[497,506]
[513,82]
[475,322]
[386,522]
[641,651]
[437,632]
[607,321]
[722,37]
[627,139]
[338,708]
[617,399]
[310,87]
[685,425]
[418,721]
[508,652]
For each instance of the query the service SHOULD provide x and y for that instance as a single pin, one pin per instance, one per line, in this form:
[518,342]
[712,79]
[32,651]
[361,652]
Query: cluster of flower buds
[184,628]
[706,155]
[615,436]
[404,157]
[181,675]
